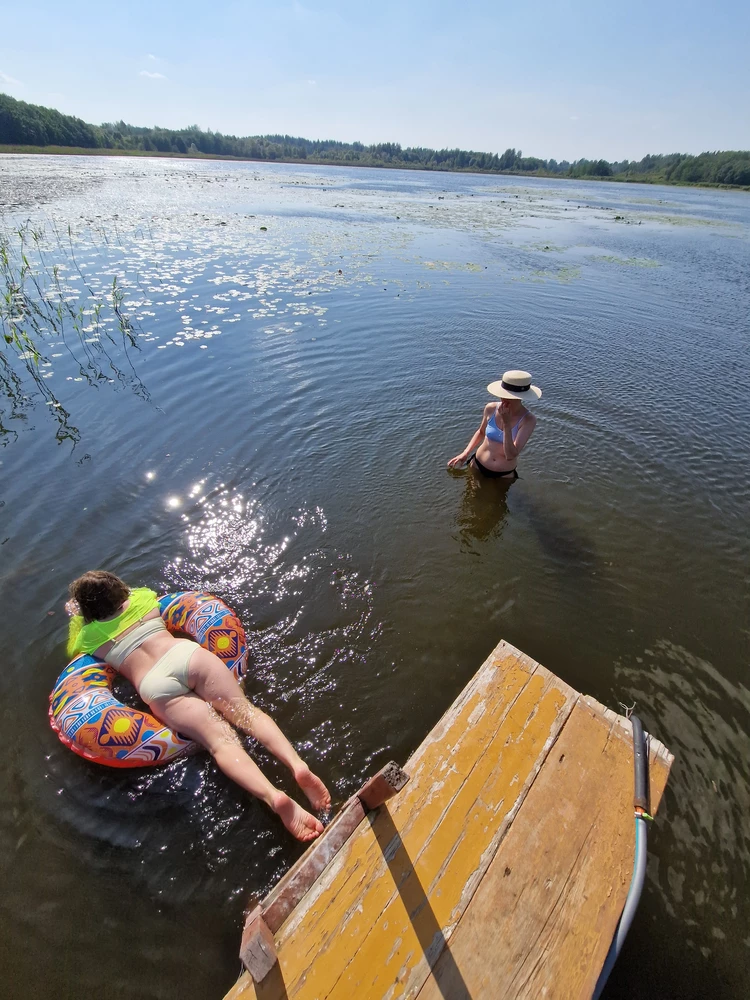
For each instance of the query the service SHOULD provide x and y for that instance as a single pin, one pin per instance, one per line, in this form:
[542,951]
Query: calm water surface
[307,383]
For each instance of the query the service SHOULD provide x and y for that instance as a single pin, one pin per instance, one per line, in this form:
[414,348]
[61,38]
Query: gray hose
[639,862]
[631,905]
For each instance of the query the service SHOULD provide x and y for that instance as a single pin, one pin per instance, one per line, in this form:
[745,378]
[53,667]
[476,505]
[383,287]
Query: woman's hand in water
[458,460]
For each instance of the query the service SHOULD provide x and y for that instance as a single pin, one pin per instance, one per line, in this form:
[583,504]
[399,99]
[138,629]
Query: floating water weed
[627,261]
[562,274]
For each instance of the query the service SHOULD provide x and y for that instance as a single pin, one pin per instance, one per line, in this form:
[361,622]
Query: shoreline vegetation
[6,148]
[32,128]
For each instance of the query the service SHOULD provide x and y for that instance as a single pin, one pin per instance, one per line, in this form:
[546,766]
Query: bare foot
[313,787]
[297,820]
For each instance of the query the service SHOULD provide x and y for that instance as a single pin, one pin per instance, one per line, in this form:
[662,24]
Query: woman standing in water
[505,428]
[188,689]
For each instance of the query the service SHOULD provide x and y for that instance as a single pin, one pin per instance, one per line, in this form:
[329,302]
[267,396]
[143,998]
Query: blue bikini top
[495,433]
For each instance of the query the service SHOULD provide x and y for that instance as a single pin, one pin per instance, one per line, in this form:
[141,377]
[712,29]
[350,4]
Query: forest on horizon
[34,125]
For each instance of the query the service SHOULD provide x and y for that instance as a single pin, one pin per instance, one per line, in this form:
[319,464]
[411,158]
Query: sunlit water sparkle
[306,383]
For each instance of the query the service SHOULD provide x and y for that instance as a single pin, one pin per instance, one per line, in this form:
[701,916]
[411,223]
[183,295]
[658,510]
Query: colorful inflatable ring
[89,719]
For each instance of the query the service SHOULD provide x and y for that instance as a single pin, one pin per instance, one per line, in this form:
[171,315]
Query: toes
[309,831]
[312,823]
[307,827]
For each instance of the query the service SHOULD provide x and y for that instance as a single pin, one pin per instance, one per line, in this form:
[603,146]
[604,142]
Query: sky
[554,78]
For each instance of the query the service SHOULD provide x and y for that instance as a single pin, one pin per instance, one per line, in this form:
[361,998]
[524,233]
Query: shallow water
[291,456]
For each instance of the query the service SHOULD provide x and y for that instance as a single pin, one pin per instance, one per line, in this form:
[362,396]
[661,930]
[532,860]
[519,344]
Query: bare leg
[213,682]
[189,714]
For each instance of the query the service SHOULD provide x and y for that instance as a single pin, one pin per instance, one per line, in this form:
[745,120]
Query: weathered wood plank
[500,870]
[257,950]
[542,920]
[503,675]
[382,786]
[445,747]
[439,768]
[436,882]
[378,917]
[291,888]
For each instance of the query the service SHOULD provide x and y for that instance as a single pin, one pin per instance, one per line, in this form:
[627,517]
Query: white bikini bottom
[168,677]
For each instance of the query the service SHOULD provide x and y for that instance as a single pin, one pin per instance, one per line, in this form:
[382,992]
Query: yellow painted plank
[395,957]
[395,891]
[437,769]
[331,933]
[542,920]
[492,690]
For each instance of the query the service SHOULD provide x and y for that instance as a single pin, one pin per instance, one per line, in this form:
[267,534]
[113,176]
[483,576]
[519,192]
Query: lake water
[281,438]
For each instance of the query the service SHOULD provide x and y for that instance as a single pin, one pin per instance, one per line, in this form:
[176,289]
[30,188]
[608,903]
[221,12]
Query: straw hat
[515,385]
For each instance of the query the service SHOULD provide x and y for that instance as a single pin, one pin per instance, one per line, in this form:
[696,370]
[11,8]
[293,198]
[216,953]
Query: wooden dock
[499,870]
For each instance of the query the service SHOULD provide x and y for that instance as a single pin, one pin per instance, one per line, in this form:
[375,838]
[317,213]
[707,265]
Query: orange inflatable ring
[89,719]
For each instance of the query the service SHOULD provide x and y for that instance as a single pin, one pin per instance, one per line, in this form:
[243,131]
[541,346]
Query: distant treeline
[25,124]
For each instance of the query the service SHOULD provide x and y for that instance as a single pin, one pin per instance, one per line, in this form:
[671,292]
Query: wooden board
[428,867]
[377,918]
[541,922]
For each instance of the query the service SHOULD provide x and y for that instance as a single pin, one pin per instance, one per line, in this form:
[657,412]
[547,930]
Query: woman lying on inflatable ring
[188,689]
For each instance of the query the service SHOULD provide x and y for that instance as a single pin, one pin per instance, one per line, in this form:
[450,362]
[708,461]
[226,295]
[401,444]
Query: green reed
[37,310]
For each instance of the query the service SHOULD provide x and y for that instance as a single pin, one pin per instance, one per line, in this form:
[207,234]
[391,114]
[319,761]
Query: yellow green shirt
[85,638]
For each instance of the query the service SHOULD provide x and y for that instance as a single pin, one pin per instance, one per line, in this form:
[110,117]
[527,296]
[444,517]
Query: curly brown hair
[99,594]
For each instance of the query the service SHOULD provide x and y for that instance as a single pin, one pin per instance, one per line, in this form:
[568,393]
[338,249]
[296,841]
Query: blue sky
[554,78]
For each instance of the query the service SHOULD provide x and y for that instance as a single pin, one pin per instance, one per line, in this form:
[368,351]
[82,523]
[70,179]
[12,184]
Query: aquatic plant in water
[38,311]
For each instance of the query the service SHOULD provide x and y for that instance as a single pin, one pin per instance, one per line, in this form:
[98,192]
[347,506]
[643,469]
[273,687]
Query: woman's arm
[476,440]
[513,448]
[74,630]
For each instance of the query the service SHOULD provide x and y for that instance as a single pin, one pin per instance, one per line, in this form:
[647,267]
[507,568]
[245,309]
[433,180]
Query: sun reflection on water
[307,611]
